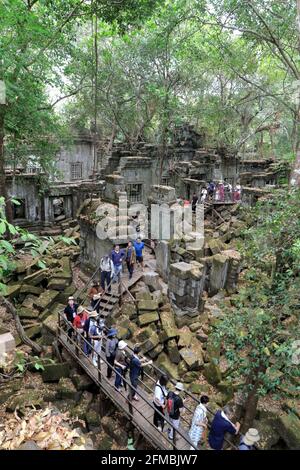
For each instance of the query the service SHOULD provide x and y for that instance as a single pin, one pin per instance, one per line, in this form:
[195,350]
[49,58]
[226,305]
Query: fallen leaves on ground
[48,429]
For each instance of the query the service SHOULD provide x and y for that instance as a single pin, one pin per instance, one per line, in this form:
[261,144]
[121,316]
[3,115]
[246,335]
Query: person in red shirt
[79,322]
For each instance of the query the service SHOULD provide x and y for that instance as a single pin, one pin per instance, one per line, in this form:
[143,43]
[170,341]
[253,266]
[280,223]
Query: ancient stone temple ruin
[187,166]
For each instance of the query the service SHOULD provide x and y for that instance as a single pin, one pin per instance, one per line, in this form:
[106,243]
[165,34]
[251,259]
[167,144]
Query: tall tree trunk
[3,187]
[295,173]
[251,407]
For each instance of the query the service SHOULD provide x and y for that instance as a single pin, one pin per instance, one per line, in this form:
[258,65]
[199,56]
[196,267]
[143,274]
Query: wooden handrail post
[99,367]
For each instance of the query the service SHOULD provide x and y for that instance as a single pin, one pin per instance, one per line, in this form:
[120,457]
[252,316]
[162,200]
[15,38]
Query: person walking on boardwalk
[96,333]
[139,247]
[199,423]
[135,368]
[174,404]
[79,322]
[160,402]
[220,425]
[130,257]
[194,202]
[110,350]
[107,272]
[70,313]
[117,257]
[120,364]
[93,293]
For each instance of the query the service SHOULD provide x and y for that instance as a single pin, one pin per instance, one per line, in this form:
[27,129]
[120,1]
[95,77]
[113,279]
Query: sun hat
[179,386]
[251,437]
[112,332]
[71,298]
[93,314]
[80,309]
[122,344]
[96,297]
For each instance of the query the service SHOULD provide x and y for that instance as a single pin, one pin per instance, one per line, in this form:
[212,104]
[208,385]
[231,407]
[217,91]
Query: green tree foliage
[259,332]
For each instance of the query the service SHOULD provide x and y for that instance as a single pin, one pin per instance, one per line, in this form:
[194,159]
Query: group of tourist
[112,265]
[219,192]
[90,331]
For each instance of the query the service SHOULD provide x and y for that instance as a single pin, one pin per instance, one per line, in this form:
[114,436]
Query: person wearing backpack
[111,349]
[160,402]
[174,403]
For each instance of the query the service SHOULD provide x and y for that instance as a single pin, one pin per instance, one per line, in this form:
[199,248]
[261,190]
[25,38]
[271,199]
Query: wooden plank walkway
[142,413]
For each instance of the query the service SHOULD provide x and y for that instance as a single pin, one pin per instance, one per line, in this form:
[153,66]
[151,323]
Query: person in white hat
[249,440]
[70,314]
[121,364]
[95,337]
[174,403]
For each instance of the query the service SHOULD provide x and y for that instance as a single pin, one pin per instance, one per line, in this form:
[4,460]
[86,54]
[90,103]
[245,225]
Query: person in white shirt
[160,402]
[203,195]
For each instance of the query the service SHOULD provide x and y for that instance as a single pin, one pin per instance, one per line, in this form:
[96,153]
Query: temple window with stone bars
[135,192]
[76,171]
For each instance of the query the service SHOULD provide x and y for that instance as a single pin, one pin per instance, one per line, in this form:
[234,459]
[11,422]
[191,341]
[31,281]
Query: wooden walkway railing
[140,413]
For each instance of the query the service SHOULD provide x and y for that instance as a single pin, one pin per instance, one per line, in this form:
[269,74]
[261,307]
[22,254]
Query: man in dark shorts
[139,247]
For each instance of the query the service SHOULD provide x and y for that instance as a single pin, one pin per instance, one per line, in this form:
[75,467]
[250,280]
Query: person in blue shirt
[117,257]
[220,425]
[139,246]
[135,368]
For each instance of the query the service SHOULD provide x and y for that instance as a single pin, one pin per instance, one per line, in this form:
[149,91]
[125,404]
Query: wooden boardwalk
[140,413]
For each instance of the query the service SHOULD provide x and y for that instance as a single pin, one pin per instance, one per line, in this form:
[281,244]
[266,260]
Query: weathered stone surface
[148,305]
[291,405]
[82,382]
[162,252]
[195,326]
[147,318]
[185,337]
[288,427]
[268,434]
[201,336]
[28,289]
[12,291]
[151,279]
[28,302]
[57,283]
[25,312]
[234,262]
[92,419]
[54,372]
[173,352]
[34,331]
[193,355]
[212,373]
[168,325]
[24,399]
[143,295]
[45,300]
[156,351]
[65,270]
[150,343]
[36,277]
[182,368]
[80,411]
[215,245]
[195,388]
[218,273]
[164,363]
[129,310]
[145,333]
[190,377]
[158,297]
[113,429]
[66,389]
